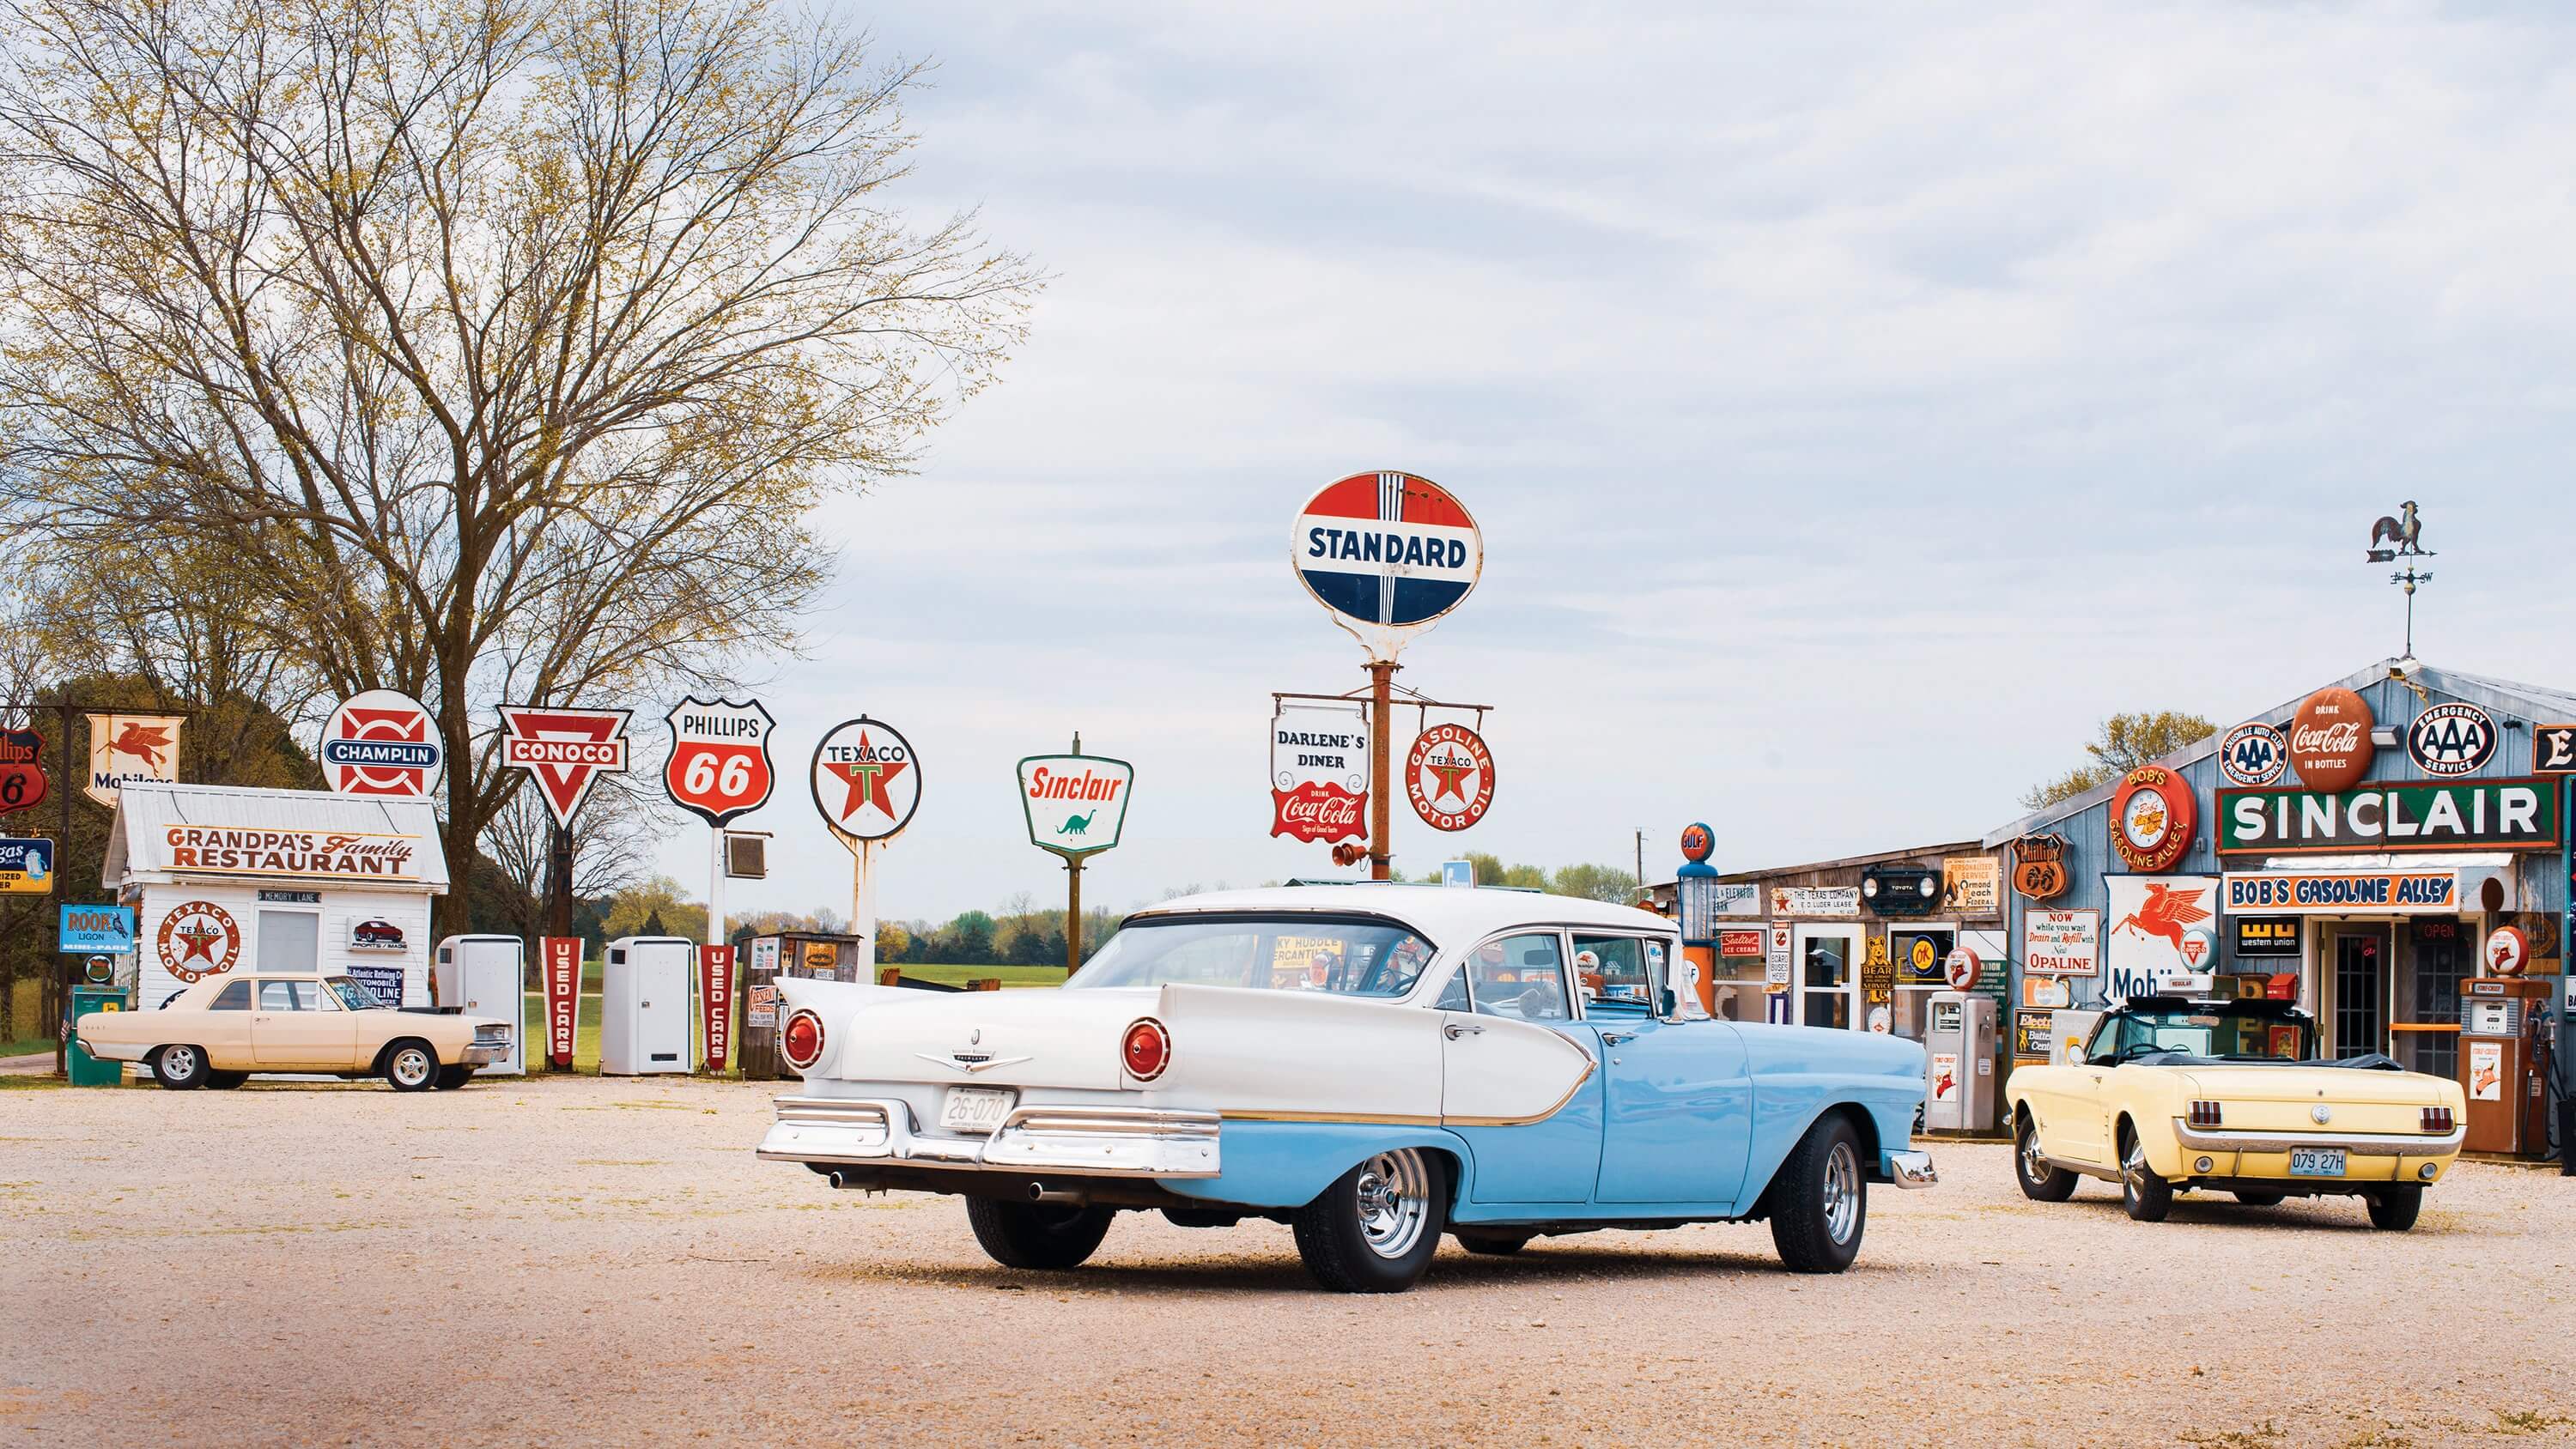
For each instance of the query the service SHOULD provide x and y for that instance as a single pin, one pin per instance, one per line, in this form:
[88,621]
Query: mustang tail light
[801,1040]
[1146,1050]
[2437,1119]
[2205,1114]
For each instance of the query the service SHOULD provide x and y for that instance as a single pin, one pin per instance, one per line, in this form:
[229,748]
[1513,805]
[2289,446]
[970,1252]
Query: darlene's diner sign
[341,854]
[2455,815]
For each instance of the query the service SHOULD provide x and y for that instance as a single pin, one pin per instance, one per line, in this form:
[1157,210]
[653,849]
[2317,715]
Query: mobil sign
[1386,551]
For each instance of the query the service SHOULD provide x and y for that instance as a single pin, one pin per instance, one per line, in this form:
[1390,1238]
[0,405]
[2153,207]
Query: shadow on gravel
[2329,1214]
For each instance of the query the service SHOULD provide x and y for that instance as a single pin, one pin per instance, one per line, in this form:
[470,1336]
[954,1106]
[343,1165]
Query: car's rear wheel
[1820,1200]
[2261,1199]
[1037,1235]
[2041,1180]
[181,1067]
[451,1078]
[2143,1190]
[411,1066]
[1374,1230]
[2393,1209]
[1493,1245]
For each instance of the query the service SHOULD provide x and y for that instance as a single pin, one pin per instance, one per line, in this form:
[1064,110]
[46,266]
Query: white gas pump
[486,976]
[1959,1052]
[644,1005]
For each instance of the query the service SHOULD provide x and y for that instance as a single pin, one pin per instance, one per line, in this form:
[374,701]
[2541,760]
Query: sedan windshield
[1337,955]
[351,994]
[2212,1031]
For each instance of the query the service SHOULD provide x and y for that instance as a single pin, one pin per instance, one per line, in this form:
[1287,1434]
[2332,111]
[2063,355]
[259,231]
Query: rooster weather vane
[2402,537]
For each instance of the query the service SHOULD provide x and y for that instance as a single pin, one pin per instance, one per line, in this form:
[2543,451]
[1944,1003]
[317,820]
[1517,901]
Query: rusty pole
[1073,899]
[1381,719]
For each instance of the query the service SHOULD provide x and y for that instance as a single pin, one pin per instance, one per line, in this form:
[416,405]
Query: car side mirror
[1669,1004]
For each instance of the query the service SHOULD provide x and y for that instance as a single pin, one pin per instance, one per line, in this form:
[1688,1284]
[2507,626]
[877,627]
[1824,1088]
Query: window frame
[1566,991]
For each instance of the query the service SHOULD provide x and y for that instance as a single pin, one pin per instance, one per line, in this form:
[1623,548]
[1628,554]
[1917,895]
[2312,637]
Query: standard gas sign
[382,742]
[1389,550]
[1076,804]
[719,762]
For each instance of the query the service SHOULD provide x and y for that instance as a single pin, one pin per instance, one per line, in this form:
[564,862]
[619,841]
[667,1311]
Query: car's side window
[235,997]
[1453,997]
[2105,1046]
[1521,977]
[282,996]
[1613,968]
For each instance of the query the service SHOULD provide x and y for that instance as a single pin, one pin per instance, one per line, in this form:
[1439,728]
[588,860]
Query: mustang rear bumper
[2357,1144]
[1071,1140]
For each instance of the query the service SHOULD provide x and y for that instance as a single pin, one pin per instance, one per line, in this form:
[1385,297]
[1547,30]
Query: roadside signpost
[1388,554]
[565,751]
[867,784]
[1076,806]
[718,769]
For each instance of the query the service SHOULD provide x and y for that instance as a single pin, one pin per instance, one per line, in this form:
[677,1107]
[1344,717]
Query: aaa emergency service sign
[382,742]
[1386,552]
[1449,777]
[867,781]
[719,762]
[1076,804]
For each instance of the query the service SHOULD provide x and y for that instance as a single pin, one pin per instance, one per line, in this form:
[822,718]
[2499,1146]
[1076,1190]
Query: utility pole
[1073,899]
[1381,783]
[1641,858]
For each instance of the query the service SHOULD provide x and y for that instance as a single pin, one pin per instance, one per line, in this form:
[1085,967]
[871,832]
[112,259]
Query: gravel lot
[588,1261]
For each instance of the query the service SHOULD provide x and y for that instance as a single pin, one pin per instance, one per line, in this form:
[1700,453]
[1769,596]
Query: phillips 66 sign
[1388,553]
[719,763]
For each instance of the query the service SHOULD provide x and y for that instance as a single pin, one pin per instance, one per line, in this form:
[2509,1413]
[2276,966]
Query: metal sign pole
[1381,720]
[715,885]
[62,855]
[863,907]
[1072,914]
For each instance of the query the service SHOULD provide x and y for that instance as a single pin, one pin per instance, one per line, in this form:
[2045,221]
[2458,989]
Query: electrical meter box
[1959,1064]
[485,976]
[644,1005]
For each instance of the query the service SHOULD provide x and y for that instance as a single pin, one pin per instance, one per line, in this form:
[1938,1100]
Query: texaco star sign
[1449,777]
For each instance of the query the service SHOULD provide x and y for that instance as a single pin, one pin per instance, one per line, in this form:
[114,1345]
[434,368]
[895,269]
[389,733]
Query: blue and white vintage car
[1372,1065]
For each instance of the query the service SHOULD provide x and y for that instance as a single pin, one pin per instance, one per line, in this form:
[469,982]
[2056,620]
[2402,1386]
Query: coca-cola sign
[2330,740]
[1319,771]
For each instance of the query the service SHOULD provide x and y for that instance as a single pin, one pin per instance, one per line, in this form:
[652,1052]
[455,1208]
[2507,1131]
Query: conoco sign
[2152,819]
[2330,740]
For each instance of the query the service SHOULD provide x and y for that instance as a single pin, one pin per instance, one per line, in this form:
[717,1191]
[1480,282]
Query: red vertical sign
[715,999]
[559,962]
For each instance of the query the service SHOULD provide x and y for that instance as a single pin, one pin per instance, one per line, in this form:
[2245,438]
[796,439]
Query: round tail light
[1146,1051]
[801,1040]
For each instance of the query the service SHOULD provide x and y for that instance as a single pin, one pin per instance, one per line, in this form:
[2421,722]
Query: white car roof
[1451,916]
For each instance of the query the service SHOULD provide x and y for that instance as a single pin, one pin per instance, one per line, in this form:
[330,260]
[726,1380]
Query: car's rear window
[1339,956]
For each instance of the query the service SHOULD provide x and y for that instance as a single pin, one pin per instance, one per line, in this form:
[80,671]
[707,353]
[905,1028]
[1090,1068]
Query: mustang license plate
[2316,1162]
[981,1109]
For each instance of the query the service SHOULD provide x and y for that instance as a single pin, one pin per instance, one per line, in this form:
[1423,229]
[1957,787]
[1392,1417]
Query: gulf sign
[1388,550]
[382,742]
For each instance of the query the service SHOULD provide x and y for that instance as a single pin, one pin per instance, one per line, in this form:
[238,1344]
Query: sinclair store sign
[2458,815]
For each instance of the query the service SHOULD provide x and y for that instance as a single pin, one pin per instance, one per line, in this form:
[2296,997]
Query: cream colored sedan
[220,1030]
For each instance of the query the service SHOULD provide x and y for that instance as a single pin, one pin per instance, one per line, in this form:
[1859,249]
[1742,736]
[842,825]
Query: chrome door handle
[1456,1029]
[1615,1038]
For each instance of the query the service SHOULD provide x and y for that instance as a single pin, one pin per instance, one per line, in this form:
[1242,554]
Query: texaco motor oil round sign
[198,939]
[867,781]
[1449,777]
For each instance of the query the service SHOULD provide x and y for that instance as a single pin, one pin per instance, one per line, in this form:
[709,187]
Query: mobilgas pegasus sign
[2416,815]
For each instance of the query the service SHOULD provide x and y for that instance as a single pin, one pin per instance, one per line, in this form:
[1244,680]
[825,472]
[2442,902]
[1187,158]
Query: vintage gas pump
[2500,1017]
[1959,1052]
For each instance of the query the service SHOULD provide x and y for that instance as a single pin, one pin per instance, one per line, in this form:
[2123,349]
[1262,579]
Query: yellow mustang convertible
[2175,1093]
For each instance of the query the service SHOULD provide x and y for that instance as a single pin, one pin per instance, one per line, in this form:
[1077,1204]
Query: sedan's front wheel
[1820,1200]
[1374,1230]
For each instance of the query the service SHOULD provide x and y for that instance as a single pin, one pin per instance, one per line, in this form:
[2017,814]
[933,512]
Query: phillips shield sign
[1319,772]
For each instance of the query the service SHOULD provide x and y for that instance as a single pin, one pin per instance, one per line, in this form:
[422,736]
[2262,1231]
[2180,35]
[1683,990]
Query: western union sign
[2459,815]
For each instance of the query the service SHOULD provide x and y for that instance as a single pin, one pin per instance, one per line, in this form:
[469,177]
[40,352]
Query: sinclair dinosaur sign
[1076,804]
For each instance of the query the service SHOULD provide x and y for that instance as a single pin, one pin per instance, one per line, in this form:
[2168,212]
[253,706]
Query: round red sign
[1449,776]
[1961,968]
[2508,952]
[198,940]
[1698,841]
[2330,740]
[2152,818]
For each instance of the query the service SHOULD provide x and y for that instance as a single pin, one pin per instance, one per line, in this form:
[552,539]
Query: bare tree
[503,350]
[614,839]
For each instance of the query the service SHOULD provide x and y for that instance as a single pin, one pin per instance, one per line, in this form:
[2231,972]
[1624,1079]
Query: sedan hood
[1026,1038]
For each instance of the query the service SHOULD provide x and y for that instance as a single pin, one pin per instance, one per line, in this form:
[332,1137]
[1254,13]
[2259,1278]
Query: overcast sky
[1858,404]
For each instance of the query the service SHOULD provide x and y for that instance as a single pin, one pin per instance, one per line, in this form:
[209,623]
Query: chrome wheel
[180,1060]
[2033,1166]
[1394,1191]
[2133,1168]
[412,1066]
[1842,1192]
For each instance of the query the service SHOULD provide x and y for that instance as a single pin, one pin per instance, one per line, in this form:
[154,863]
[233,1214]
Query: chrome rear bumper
[1911,1169]
[1052,1139]
[2358,1144]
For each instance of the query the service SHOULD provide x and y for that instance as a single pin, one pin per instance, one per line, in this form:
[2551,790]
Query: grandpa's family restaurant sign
[2458,815]
[346,854]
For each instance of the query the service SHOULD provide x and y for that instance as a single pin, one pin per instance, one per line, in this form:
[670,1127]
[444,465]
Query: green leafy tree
[1595,883]
[2124,742]
[655,908]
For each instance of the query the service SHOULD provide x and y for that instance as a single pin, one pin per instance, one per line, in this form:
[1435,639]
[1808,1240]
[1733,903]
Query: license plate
[2316,1162]
[981,1109]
